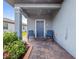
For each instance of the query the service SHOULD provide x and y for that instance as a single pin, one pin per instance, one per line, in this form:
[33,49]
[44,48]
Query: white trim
[21,11]
[44,27]
[25,14]
[38,5]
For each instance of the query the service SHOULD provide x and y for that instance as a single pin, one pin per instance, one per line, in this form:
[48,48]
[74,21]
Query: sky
[8,12]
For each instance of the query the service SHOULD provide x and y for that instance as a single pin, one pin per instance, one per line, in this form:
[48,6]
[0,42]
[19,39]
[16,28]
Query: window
[5,25]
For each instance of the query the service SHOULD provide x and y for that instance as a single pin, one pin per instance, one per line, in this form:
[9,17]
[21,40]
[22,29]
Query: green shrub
[16,49]
[12,45]
[9,37]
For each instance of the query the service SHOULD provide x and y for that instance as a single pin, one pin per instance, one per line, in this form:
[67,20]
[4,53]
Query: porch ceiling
[12,2]
[40,13]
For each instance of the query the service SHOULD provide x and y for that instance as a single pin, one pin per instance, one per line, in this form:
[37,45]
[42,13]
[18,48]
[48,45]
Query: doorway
[40,28]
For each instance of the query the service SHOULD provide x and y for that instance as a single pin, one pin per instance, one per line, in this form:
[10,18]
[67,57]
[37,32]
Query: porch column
[18,22]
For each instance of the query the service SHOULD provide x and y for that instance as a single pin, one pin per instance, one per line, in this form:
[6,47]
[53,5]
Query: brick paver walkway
[48,50]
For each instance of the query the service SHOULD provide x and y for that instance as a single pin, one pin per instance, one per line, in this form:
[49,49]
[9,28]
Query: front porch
[48,50]
[35,11]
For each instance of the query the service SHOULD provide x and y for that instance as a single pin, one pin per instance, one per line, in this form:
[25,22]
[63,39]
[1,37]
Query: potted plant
[14,48]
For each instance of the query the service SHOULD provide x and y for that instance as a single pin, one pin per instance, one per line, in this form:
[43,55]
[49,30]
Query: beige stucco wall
[65,27]
[11,27]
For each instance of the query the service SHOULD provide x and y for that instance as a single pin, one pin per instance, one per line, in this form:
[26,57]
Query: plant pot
[23,56]
[6,55]
[27,54]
